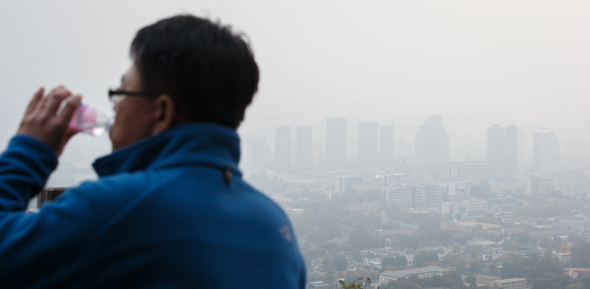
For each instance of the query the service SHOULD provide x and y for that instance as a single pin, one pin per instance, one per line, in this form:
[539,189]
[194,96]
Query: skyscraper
[255,152]
[304,147]
[368,144]
[503,149]
[336,142]
[386,146]
[496,148]
[546,151]
[520,144]
[432,147]
[510,150]
[283,146]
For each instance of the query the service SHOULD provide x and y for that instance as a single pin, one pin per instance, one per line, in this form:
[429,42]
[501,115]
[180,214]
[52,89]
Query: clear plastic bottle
[91,119]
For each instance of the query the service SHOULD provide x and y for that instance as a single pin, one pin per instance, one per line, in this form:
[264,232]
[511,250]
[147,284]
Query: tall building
[304,147]
[368,144]
[510,150]
[386,146]
[546,151]
[432,147]
[336,142]
[283,146]
[520,144]
[476,171]
[255,151]
[496,148]
[503,146]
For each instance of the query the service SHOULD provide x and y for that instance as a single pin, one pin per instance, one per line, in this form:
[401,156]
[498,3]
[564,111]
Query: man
[170,209]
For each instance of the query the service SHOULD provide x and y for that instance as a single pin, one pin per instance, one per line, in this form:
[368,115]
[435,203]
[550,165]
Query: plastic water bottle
[91,119]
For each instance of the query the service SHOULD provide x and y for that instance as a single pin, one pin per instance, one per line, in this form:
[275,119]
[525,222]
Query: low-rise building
[563,257]
[467,209]
[425,272]
[575,272]
[512,283]
[344,183]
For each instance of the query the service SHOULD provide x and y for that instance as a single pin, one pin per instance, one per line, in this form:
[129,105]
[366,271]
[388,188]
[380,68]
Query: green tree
[471,280]
[548,253]
[458,216]
[340,263]
[455,276]
[541,284]
[356,253]
[401,260]
[581,255]
[421,257]
[475,267]
[326,264]
[576,286]
[359,238]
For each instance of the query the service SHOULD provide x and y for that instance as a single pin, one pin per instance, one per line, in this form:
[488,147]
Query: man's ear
[164,113]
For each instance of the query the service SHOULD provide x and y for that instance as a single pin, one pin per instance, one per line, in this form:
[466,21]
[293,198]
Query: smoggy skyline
[475,63]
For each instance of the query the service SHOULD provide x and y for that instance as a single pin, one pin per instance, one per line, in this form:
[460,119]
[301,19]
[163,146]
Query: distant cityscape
[486,205]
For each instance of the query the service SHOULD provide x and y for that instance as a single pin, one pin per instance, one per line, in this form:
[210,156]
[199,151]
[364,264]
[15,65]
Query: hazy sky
[475,62]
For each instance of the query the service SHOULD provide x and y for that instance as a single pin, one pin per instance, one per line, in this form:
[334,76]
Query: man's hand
[42,122]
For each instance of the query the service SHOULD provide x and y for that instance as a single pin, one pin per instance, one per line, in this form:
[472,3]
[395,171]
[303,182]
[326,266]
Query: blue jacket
[170,211]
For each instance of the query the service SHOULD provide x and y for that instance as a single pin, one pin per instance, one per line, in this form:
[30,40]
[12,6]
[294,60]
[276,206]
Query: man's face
[134,115]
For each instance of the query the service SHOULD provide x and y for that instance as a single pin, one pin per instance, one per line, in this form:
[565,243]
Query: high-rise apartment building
[283,146]
[304,147]
[256,151]
[520,144]
[503,145]
[336,142]
[510,150]
[368,144]
[496,148]
[386,146]
[546,151]
[432,147]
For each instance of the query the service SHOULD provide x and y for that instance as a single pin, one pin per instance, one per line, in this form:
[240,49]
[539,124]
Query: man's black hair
[207,69]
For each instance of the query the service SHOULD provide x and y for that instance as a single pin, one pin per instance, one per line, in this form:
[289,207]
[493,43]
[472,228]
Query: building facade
[512,283]
[336,142]
[546,151]
[304,157]
[344,183]
[368,144]
[432,147]
[387,146]
[467,209]
[476,171]
[283,146]
[425,272]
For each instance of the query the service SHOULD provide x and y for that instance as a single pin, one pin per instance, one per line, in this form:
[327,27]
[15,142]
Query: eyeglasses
[116,95]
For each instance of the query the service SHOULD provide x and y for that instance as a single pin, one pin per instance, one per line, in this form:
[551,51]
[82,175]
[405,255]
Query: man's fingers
[35,100]
[54,99]
[70,105]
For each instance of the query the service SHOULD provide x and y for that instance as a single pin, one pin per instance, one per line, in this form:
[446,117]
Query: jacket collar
[195,144]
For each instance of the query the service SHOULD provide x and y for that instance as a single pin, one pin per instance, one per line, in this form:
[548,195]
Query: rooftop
[510,280]
[405,273]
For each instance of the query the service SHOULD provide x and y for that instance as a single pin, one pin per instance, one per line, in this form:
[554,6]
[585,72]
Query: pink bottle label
[84,118]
